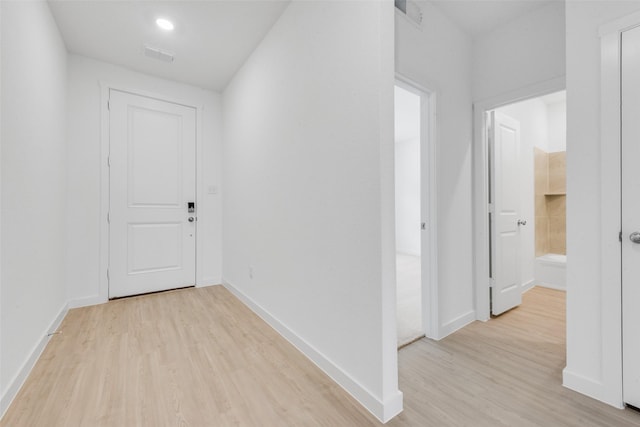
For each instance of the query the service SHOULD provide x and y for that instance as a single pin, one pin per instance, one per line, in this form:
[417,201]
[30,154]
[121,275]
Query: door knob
[191,219]
[634,237]
[522,222]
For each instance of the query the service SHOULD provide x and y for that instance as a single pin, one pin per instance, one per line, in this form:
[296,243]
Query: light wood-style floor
[504,372]
[198,357]
[192,357]
[408,299]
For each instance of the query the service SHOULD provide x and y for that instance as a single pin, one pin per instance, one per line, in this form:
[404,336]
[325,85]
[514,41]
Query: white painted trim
[200,195]
[527,286]
[105,88]
[381,410]
[457,323]
[586,386]
[480,183]
[609,388]
[103,282]
[209,281]
[390,394]
[23,373]
[551,286]
[390,407]
[86,301]
[429,205]
[620,25]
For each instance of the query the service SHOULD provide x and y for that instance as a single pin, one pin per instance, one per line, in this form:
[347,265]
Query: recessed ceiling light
[165,24]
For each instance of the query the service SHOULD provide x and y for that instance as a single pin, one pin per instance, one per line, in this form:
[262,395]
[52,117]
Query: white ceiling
[211,40]
[480,17]
[407,115]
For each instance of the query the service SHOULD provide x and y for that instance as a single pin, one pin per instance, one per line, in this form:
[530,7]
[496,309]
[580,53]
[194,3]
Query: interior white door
[631,215]
[504,143]
[152,234]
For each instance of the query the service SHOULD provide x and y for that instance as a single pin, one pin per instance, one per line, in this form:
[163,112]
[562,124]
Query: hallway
[207,357]
[504,372]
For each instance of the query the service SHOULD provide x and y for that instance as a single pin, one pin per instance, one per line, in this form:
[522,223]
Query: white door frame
[481,183]
[610,210]
[105,88]
[428,205]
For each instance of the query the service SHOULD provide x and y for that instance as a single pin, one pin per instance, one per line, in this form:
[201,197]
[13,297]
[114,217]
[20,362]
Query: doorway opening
[526,198]
[408,216]
[415,212]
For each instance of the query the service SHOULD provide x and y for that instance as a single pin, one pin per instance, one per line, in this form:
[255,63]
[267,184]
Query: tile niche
[550,202]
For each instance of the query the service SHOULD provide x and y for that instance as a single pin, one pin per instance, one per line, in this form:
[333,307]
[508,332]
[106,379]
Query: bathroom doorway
[527,198]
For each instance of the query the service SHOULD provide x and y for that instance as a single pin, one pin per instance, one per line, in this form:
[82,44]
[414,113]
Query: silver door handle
[191,219]
[522,222]
[634,237]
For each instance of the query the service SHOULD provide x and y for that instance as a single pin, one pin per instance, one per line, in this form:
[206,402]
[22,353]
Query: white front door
[152,235]
[506,291]
[631,215]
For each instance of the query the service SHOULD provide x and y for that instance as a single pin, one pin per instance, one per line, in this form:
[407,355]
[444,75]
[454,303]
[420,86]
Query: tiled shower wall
[550,201]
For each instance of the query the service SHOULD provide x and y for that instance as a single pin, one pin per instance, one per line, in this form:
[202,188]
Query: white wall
[83,169]
[33,187]
[532,115]
[2,395]
[593,367]
[308,177]
[526,51]
[438,57]
[557,120]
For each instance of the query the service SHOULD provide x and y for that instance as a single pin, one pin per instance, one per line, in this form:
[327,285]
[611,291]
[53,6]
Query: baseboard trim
[208,282]
[97,299]
[527,286]
[391,407]
[87,301]
[551,286]
[588,387]
[455,324]
[18,381]
[384,411]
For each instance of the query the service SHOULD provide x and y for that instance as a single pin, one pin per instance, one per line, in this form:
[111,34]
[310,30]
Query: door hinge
[423,226]
[108,104]
[108,161]
[108,278]
[490,207]
[491,283]
[620,236]
[108,217]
